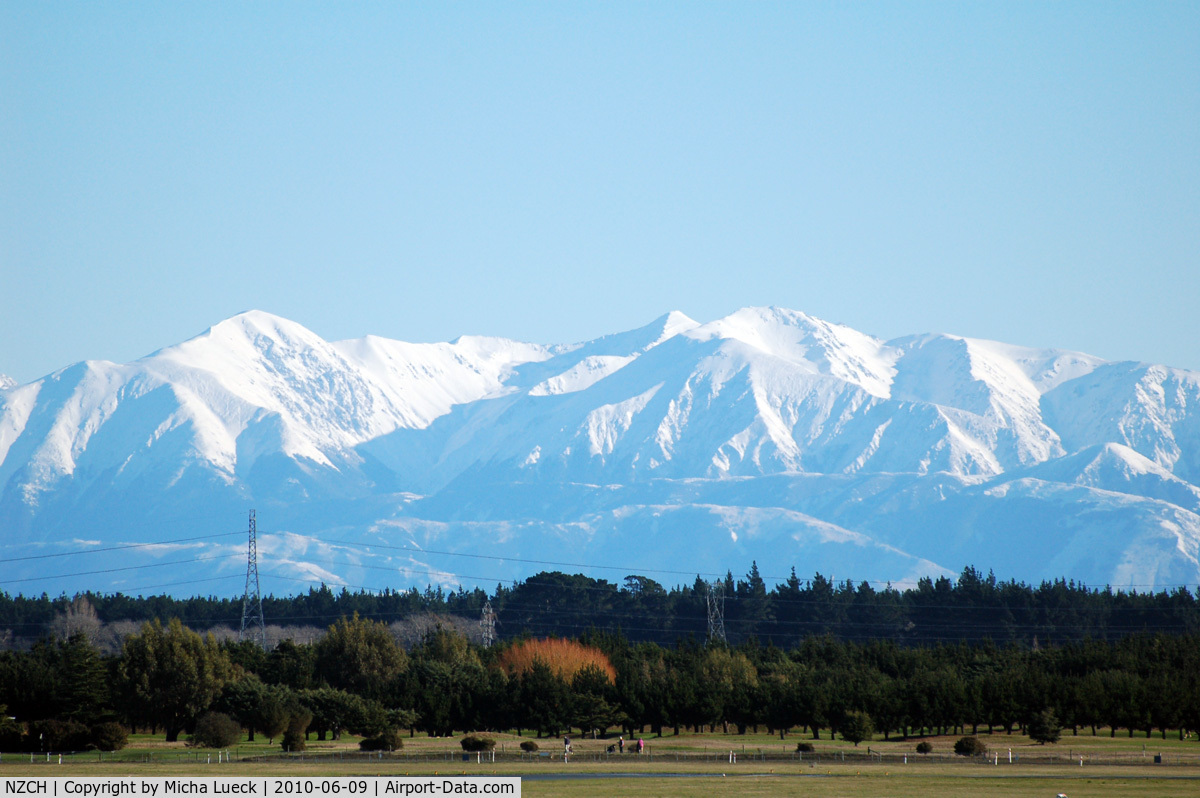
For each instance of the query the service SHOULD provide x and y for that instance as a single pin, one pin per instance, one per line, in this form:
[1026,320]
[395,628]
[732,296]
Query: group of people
[639,746]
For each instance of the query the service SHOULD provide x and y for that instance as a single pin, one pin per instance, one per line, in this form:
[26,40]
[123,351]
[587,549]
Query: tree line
[973,608]
[65,694]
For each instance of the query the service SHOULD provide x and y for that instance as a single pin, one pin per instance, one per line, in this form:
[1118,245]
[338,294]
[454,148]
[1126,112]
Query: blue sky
[553,172]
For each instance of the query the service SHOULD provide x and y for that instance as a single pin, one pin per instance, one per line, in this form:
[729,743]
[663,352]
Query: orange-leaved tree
[564,658]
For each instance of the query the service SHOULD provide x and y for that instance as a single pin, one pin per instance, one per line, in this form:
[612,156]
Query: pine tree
[83,680]
[1044,727]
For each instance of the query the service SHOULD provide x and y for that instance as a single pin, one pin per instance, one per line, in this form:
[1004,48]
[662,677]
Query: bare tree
[78,617]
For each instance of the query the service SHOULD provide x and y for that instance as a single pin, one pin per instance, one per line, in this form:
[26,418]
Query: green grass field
[698,765]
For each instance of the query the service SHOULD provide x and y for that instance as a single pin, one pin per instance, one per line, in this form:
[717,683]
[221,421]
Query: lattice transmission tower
[252,612]
[716,611]
[487,624]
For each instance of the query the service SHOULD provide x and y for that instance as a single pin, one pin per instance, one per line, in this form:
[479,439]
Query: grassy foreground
[1113,767]
[748,781]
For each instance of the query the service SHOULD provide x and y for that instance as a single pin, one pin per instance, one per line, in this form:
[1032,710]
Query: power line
[613,590]
[115,570]
[638,571]
[685,623]
[696,623]
[188,582]
[498,557]
[116,548]
[882,601]
[1000,625]
[857,603]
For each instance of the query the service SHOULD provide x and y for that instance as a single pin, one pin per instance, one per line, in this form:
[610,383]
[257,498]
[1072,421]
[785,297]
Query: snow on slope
[264,384]
[984,392]
[767,390]
[1045,368]
[694,404]
[584,374]
[252,386]
[1104,537]
[1031,528]
[1118,468]
[45,426]
[647,537]
[423,381]
[17,407]
[942,450]
[812,345]
[1154,410]
[579,366]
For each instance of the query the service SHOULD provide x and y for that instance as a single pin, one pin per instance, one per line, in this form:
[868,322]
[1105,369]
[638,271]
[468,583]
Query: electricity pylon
[716,611]
[487,624]
[252,612]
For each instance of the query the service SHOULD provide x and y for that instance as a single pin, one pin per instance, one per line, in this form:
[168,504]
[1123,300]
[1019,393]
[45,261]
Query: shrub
[856,727]
[109,736]
[969,746]
[11,732]
[476,742]
[293,738]
[804,748]
[293,741]
[215,730]
[924,748]
[529,746]
[57,735]
[386,740]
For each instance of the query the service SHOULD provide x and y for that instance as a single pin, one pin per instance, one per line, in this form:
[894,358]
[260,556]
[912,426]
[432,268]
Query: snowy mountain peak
[262,329]
[1098,465]
[674,437]
[1117,468]
[672,324]
[639,339]
[1120,456]
[7,382]
[811,343]
[501,350]
[250,341]
[581,366]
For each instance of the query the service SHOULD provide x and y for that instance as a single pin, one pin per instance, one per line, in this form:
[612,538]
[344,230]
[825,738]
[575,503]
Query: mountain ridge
[506,442]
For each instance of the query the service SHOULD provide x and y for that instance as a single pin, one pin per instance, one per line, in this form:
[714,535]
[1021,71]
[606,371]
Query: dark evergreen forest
[809,656]
[64,694]
[975,608]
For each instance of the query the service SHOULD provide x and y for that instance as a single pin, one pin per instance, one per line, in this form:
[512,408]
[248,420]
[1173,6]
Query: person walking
[621,744]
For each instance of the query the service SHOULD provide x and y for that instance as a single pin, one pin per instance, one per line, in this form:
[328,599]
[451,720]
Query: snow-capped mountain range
[672,450]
